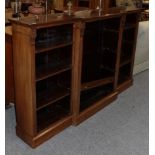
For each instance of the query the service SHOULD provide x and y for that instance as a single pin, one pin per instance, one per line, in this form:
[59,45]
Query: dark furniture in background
[94,3]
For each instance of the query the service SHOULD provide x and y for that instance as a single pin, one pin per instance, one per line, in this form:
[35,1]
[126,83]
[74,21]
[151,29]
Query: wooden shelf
[50,96]
[125,62]
[129,35]
[49,117]
[109,50]
[124,73]
[128,42]
[122,79]
[103,74]
[125,58]
[49,46]
[93,84]
[129,26]
[89,97]
[108,69]
[47,71]
[111,30]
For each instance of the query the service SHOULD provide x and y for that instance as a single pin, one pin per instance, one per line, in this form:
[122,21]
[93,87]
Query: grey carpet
[121,128]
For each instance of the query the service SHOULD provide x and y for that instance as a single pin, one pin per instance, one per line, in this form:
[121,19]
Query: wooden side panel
[119,46]
[24,74]
[77,63]
[9,77]
[135,43]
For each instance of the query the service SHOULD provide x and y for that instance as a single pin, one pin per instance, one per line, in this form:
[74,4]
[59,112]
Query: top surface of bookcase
[60,18]
[43,20]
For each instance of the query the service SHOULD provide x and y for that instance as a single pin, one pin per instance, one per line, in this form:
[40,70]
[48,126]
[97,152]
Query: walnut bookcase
[67,68]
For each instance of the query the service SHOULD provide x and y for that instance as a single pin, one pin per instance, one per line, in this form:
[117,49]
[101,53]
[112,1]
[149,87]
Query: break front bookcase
[66,68]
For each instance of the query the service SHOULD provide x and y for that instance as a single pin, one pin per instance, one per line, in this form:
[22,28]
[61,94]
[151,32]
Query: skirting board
[141,67]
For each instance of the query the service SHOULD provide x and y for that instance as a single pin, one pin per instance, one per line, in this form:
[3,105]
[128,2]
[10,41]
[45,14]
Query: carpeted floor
[121,128]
